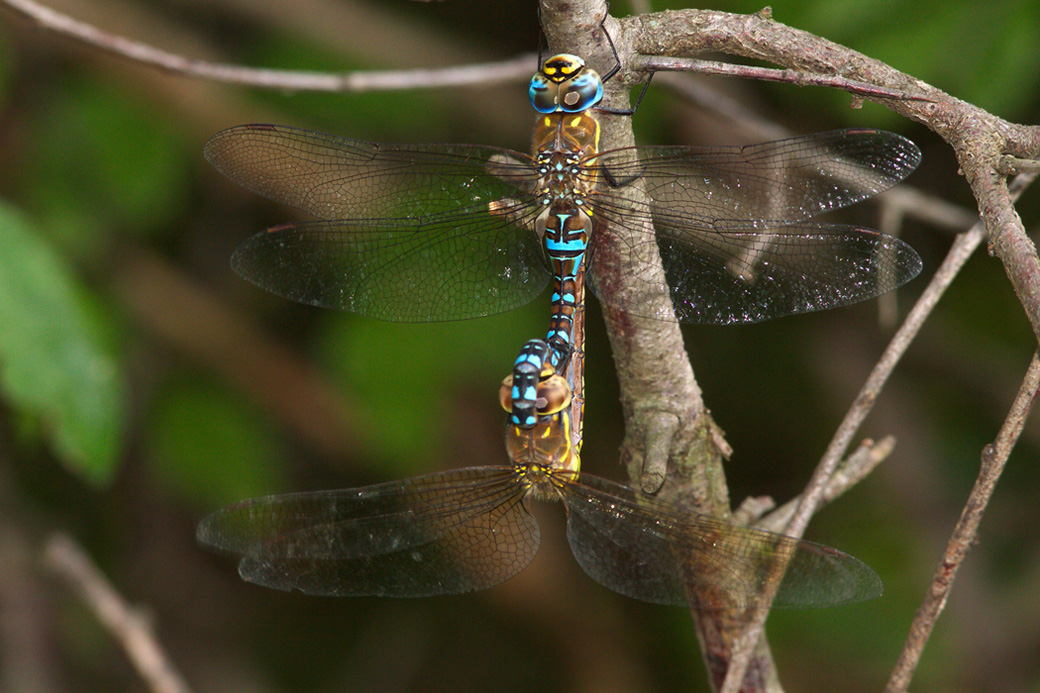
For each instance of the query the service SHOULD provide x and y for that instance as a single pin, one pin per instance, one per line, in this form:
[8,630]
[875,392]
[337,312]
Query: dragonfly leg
[614,70]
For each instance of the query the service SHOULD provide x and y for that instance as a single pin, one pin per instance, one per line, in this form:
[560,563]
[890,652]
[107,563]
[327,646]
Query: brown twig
[853,470]
[658,63]
[856,467]
[126,624]
[963,247]
[993,459]
[981,140]
[657,382]
[518,68]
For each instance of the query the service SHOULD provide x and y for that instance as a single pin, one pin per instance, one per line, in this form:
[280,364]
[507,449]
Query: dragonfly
[434,232]
[469,529]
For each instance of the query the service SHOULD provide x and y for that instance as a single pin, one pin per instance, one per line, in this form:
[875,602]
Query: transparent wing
[405,270]
[649,549]
[730,226]
[737,272]
[731,231]
[443,533]
[334,177]
[414,233]
[789,180]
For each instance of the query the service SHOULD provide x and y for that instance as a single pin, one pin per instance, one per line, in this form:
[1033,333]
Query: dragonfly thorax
[565,84]
[543,455]
[563,143]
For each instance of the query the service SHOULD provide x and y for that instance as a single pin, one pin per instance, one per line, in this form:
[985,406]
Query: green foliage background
[142,384]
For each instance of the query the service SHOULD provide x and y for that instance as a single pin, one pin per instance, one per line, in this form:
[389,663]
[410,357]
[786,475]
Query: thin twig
[125,623]
[515,69]
[963,247]
[757,39]
[981,140]
[1013,165]
[849,473]
[994,458]
[914,203]
[656,63]
[856,467]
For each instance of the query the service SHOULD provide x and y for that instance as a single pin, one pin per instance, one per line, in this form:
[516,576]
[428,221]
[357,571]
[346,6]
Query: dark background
[144,384]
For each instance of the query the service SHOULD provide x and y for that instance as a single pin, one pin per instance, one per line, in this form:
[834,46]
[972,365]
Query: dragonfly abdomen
[566,240]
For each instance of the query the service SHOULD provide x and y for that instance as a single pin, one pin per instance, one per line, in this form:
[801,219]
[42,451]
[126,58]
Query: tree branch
[126,624]
[765,74]
[994,457]
[666,420]
[980,140]
[516,69]
[813,495]
[853,470]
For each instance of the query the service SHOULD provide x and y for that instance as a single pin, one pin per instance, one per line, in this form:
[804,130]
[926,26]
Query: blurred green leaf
[52,364]
[982,53]
[103,163]
[210,447]
[405,375]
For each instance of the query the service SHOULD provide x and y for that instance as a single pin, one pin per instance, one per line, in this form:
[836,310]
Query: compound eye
[543,94]
[582,92]
[554,395]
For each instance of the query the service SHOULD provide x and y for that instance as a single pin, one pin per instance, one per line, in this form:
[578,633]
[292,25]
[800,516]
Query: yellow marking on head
[560,67]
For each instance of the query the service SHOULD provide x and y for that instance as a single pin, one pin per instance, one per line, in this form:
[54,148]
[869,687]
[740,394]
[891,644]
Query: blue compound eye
[582,92]
[543,94]
[565,84]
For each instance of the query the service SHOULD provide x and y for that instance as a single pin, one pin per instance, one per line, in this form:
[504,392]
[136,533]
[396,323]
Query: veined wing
[415,233]
[443,533]
[786,180]
[649,549]
[734,271]
[731,228]
[401,270]
[334,177]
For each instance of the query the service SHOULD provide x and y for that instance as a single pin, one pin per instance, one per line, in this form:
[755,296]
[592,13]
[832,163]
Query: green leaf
[405,376]
[53,366]
[210,447]
[132,166]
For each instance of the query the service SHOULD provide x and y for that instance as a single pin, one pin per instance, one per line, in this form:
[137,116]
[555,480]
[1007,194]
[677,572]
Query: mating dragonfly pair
[439,232]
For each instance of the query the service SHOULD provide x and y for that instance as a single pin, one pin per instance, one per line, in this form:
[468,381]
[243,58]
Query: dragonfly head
[550,396]
[565,84]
